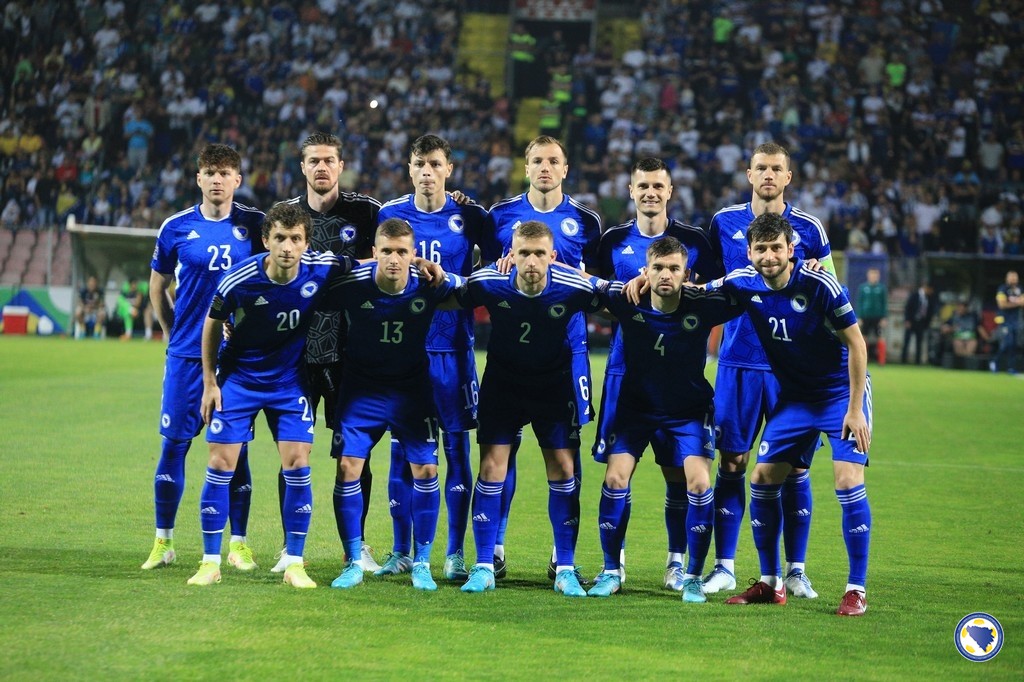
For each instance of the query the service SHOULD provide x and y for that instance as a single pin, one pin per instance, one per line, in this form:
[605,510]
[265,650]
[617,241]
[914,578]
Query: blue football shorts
[368,410]
[743,397]
[794,430]
[456,390]
[606,417]
[182,396]
[549,405]
[285,406]
[672,440]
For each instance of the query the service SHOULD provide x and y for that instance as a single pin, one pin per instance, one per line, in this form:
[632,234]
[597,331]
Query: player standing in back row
[446,232]
[193,249]
[745,388]
[576,231]
[344,223]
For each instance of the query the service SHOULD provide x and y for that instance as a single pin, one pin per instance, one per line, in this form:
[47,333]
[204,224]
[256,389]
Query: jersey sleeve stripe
[233,279]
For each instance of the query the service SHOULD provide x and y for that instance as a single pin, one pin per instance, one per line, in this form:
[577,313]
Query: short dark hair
[767,227]
[393,228]
[534,229]
[770,149]
[219,156]
[649,165]
[425,144]
[320,138]
[287,215]
[666,246]
[545,139]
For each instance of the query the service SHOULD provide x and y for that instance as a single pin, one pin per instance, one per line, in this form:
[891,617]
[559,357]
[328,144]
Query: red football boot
[760,593]
[853,604]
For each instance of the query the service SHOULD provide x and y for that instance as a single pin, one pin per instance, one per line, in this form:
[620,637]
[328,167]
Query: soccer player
[745,388]
[576,231]
[529,379]
[446,233]
[343,223]
[193,249]
[622,255]
[386,384]
[269,299]
[810,335]
[663,400]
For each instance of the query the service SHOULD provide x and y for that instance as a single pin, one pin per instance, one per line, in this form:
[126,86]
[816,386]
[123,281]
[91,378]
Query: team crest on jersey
[417,305]
[456,224]
[308,289]
[762,449]
[799,303]
[348,234]
[570,228]
[691,322]
[241,233]
[216,426]
[165,420]
[556,311]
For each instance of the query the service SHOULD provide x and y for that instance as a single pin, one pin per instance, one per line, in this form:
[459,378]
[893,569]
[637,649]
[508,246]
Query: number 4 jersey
[198,251]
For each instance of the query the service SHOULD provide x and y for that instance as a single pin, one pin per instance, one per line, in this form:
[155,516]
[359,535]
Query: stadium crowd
[904,118]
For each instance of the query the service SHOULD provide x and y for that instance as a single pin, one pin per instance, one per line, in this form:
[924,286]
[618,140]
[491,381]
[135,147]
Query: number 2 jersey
[198,251]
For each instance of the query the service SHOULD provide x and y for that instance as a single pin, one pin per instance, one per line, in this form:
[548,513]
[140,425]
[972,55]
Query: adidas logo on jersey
[481,518]
[304,509]
[803,512]
[504,304]
[458,489]
[701,528]
[192,235]
[722,511]
[164,477]
[755,299]
[607,526]
[739,235]
[572,522]
[367,306]
[639,318]
[243,489]
[209,510]
[628,251]
[862,528]
[262,301]
[755,523]
[392,503]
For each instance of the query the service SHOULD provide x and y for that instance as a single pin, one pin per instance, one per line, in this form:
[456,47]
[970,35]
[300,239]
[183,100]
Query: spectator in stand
[91,311]
[962,330]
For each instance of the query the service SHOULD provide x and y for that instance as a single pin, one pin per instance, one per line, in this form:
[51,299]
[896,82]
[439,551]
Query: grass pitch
[77,452]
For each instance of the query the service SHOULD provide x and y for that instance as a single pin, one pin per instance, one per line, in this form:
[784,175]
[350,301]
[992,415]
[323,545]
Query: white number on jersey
[220,257]
[779,325]
[287,321]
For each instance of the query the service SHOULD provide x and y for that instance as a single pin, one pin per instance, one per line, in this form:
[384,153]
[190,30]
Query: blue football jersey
[664,353]
[728,232]
[622,253]
[387,332]
[528,333]
[447,237]
[796,326]
[270,320]
[576,230]
[198,251]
